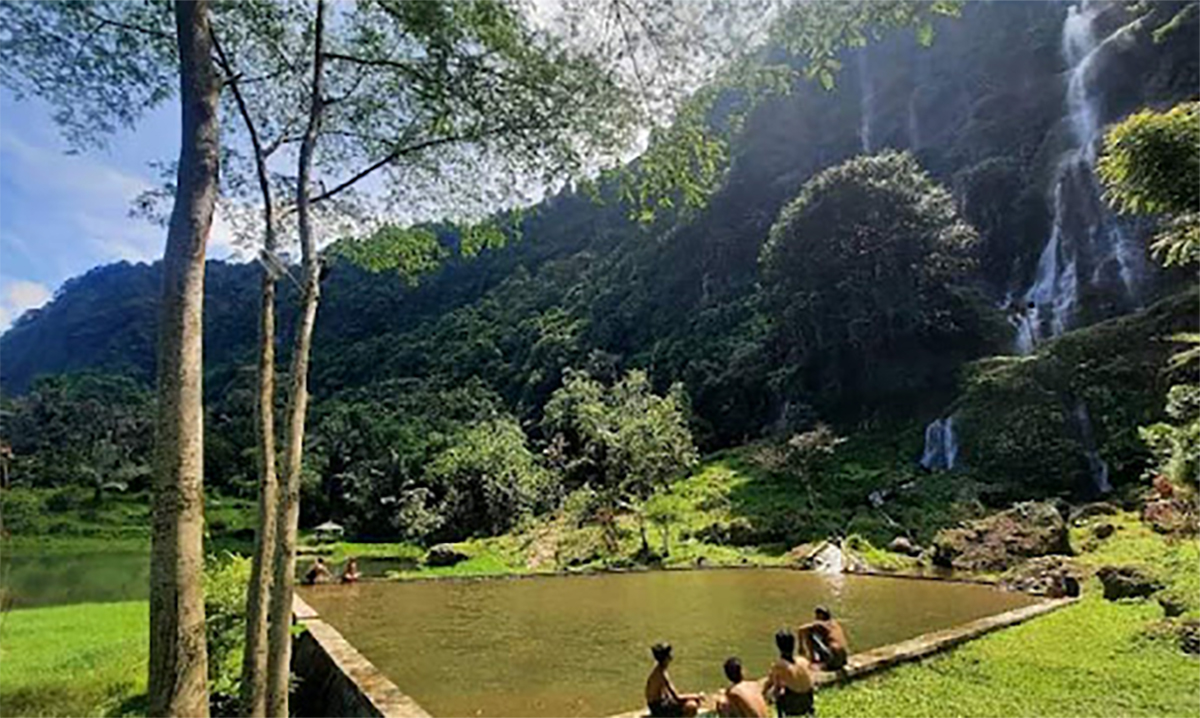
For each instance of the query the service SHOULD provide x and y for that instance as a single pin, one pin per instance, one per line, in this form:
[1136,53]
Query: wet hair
[661,652]
[822,613]
[785,641]
[733,669]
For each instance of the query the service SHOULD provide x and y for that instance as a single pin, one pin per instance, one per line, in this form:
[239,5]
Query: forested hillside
[770,319]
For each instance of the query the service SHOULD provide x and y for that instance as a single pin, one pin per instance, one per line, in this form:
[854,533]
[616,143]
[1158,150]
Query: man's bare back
[745,700]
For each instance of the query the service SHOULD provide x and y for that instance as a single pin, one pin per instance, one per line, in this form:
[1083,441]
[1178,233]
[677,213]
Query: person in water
[823,641]
[743,698]
[661,697]
[350,572]
[789,682]
[319,573]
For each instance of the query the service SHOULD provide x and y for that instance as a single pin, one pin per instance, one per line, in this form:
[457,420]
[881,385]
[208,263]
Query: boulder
[444,554]
[1171,516]
[1054,576]
[904,545]
[1172,606]
[1127,582]
[1001,541]
[1096,508]
[801,555]
[1189,637]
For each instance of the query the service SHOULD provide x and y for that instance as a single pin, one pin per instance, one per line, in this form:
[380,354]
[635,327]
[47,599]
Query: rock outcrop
[1001,541]
[1127,582]
[444,554]
[1053,576]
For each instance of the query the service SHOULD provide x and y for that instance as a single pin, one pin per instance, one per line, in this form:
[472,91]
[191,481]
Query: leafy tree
[1151,165]
[622,441]
[491,479]
[860,273]
[664,509]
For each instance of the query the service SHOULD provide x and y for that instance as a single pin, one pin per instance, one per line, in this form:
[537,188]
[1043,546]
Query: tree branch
[126,26]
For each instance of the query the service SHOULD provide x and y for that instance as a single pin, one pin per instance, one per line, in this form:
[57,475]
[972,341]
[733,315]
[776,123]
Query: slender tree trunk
[288,516]
[254,663]
[254,659]
[178,681]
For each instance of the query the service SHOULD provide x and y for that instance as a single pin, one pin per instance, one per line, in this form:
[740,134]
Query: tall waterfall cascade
[1087,244]
[941,445]
[1097,467]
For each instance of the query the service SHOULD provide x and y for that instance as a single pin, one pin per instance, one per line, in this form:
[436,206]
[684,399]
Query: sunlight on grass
[82,660]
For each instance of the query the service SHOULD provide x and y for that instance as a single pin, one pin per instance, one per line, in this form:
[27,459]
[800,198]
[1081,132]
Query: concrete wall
[334,679]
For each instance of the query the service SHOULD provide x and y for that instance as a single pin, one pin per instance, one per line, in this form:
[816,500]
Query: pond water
[28,580]
[579,646]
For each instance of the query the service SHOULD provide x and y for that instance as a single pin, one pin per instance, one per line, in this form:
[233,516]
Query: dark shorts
[666,708]
[829,659]
[791,703]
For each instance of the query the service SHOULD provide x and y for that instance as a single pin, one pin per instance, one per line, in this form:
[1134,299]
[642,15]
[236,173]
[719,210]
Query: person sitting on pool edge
[823,641]
[789,683]
[319,573]
[661,697]
[350,572]
[743,698]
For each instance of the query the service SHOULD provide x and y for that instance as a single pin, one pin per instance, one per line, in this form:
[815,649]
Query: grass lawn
[1090,659]
[81,660]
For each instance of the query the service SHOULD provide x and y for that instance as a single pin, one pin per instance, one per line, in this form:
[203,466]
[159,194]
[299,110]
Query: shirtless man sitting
[823,641]
[789,683]
[743,698]
[319,573]
[661,697]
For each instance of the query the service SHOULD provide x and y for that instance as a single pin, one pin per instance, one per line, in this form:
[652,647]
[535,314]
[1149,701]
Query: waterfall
[829,559]
[866,93]
[1083,229]
[1097,467]
[941,445]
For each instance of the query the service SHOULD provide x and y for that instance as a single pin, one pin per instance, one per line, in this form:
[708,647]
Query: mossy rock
[1016,420]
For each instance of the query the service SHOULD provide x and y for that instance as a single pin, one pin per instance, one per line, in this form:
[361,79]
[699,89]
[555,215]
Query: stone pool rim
[387,700]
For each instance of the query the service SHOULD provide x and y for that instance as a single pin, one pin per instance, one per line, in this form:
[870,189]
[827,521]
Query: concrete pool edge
[867,663]
[335,679]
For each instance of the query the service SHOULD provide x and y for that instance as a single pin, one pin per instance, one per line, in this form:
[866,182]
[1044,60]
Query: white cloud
[18,296]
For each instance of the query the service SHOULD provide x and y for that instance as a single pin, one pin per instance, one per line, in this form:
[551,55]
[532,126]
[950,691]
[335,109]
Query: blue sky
[62,214]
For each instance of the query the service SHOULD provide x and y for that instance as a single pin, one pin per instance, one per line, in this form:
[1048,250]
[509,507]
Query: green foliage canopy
[1151,165]
[860,272]
[622,440]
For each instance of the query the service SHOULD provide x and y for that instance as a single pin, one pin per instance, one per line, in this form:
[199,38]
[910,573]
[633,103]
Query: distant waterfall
[1083,229]
[1097,467]
[866,100]
[941,445]
[829,559]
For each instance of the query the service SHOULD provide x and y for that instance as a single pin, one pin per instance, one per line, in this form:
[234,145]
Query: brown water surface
[578,646]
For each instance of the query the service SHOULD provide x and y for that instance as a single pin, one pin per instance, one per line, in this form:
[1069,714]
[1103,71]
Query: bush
[226,578]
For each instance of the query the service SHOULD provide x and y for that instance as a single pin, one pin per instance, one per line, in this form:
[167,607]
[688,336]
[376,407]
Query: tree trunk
[254,663]
[178,681]
[254,659]
[288,516]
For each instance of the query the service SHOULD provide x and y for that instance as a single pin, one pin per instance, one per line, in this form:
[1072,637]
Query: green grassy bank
[82,660]
[1096,658]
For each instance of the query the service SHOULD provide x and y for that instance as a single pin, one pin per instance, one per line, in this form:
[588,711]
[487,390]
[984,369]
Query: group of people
[320,573]
[788,684]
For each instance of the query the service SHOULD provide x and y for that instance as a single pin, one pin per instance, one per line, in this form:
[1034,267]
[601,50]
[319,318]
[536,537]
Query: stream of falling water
[1082,226]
